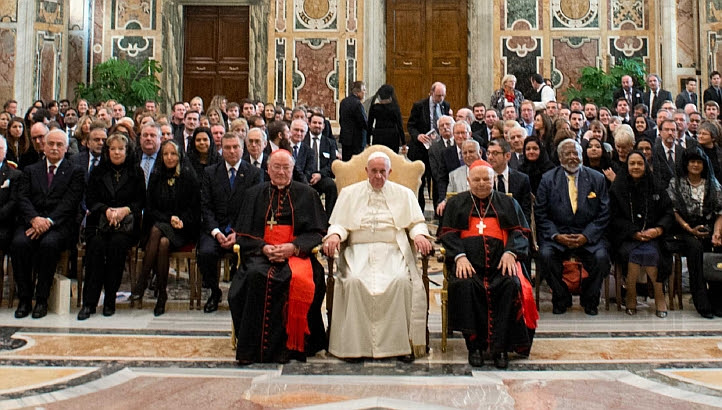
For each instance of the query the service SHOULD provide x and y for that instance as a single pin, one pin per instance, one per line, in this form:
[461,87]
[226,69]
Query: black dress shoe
[409,358]
[501,360]
[23,310]
[108,310]
[475,358]
[40,310]
[707,315]
[212,303]
[718,313]
[591,310]
[353,359]
[85,312]
[559,310]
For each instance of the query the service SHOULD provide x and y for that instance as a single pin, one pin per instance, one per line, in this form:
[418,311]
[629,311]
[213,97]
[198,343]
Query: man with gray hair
[572,213]
[48,202]
[379,299]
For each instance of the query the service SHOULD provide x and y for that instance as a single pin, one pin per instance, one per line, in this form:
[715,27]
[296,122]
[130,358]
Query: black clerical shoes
[40,310]
[501,360]
[559,310]
[591,310]
[85,312]
[23,310]
[409,358]
[475,358]
[212,303]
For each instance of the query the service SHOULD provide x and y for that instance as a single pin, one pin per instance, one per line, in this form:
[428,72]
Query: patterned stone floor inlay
[18,378]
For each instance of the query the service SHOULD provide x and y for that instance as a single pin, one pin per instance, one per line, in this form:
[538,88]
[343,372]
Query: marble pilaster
[669,36]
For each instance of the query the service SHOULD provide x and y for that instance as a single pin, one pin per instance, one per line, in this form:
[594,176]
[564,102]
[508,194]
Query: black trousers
[209,252]
[596,264]
[104,265]
[42,254]
[327,186]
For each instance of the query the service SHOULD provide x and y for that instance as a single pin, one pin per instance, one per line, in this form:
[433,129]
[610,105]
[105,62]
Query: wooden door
[426,41]
[215,52]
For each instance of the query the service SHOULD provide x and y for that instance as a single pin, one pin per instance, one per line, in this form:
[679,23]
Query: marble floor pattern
[184,359]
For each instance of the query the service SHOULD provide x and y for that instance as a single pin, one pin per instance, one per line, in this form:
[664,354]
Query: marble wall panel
[134,49]
[627,14]
[351,64]
[77,10]
[351,16]
[98,20]
[9,11]
[316,74]
[133,14]
[686,34]
[628,47]
[525,12]
[714,45]
[280,23]
[570,55]
[575,14]
[315,15]
[48,65]
[521,57]
[76,63]
[7,63]
[280,70]
[714,10]
[49,11]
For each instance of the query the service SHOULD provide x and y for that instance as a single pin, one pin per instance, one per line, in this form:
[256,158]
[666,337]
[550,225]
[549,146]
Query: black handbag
[712,267]
[125,226]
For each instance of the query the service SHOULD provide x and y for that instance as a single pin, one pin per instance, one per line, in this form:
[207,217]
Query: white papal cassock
[379,305]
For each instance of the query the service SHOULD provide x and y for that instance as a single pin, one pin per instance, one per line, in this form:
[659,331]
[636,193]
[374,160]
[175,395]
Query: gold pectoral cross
[271,222]
[481,226]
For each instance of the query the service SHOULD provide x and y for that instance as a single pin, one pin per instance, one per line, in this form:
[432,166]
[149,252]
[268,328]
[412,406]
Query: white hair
[379,154]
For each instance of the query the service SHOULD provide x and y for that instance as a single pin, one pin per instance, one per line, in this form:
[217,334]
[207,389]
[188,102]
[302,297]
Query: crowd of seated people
[606,186]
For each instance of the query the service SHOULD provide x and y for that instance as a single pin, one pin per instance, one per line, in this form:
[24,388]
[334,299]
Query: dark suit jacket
[554,213]
[683,99]
[304,161]
[420,123]
[663,173]
[520,188]
[58,202]
[662,95]
[264,165]
[9,197]
[514,162]
[354,126]
[103,194]
[636,96]
[219,203]
[326,155]
[711,95]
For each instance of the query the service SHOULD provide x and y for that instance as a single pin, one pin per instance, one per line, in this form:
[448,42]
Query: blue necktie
[232,179]
[295,151]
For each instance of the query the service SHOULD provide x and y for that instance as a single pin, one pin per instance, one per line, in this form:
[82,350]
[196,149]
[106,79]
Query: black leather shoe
[409,358]
[85,312]
[559,310]
[40,310]
[591,310]
[23,310]
[108,310]
[475,358]
[707,315]
[212,303]
[501,360]
[718,313]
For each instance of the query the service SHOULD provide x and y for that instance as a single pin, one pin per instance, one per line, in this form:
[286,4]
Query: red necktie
[51,174]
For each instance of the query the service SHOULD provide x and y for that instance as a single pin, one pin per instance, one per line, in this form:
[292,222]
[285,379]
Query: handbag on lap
[573,273]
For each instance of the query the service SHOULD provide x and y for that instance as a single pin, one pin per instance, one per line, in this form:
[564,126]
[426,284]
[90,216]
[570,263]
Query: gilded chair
[404,173]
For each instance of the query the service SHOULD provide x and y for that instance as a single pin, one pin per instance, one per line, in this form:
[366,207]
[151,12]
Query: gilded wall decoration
[576,14]
[49,11]
[628,15]
[315,79]
[315,15]
[133,14]
[9,11]
[521,11]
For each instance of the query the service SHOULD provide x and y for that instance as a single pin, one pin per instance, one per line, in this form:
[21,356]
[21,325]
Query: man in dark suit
[517,135]
[37,138]
[655,96]
[714,93]
[572,213]
[509,181]
[424,116]
[628,92]
[10,179]
[353,122]
[222,195]
[191,121]
[49,200]
[667,153]
[176,121]
[301,152]
[689,95]
[437,163]
[255,151]
[323,153]
[88,158]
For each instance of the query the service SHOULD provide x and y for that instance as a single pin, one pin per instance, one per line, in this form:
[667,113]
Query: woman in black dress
[385,126]
[202,150]
[115,198]
[536,161]
[173,212]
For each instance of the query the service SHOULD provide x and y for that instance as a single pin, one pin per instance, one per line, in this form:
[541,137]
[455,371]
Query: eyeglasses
[494,153]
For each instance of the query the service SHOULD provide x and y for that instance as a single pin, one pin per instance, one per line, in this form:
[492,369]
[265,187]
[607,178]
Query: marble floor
[184,359]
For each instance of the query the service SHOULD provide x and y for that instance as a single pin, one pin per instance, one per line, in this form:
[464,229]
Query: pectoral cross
[271,222]
[481,226]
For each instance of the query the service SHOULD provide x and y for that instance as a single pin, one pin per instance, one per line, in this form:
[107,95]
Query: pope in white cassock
[379,305]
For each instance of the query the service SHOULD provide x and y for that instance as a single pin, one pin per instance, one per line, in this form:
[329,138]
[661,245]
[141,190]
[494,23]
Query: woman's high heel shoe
[160,305]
